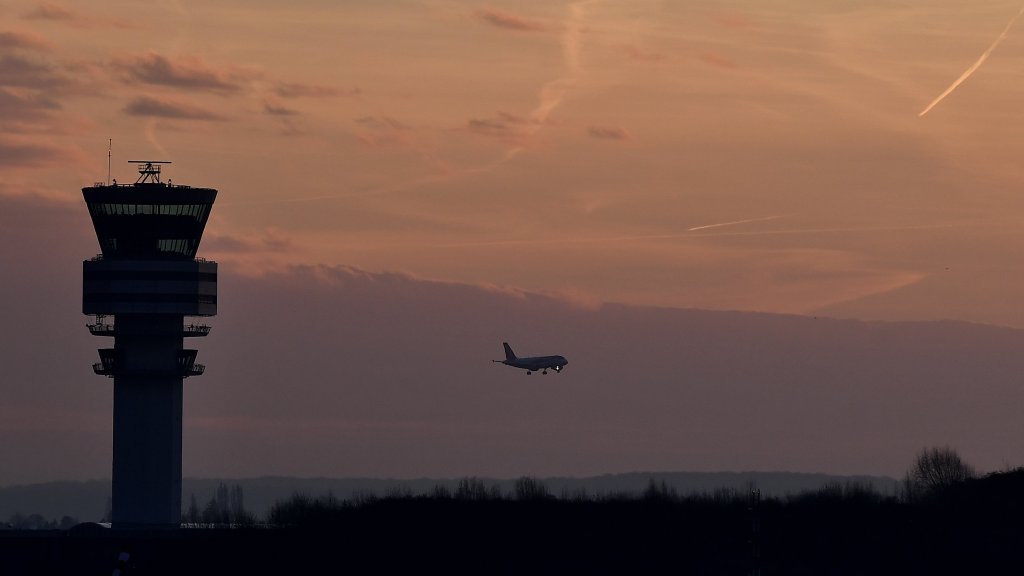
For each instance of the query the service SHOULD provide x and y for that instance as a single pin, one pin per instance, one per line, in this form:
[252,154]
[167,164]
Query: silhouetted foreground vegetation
[967,525]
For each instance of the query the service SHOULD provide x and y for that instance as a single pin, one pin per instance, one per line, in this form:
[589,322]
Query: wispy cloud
[382,130]
[639,54]
[20,154]
[509,21]
[717,60]
[278,109]
[272,240]
[487,127]
[608,133]
[162,108]
[552,93]
[29,73]
[511,118]
[300,90]
[382,123]
[51,11]
[188,72]
[20,105]
[503,124]
[25,40]
[735,21]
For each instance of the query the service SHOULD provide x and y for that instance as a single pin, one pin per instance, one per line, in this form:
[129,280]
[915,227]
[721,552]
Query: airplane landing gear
[544,372]
[528,372]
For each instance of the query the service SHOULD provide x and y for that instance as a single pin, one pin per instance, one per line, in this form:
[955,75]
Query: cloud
[609,133]
[381,123]
[18,71]
[488,127]
[278,109]
[189,72]
[346,347]
[509,21]
[20,105]
[272,240]
[25,40]
[382,130]
[504,124]
[517,119]
[17,154]
[298,90]
[735,21]
[51,11]
[717,60]
[553,92]
[642,55]
[341,327]
[161,108]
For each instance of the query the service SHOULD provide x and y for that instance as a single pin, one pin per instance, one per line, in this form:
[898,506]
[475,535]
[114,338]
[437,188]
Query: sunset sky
[744,155]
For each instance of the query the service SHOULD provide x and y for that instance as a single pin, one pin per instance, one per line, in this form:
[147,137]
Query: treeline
[226,507]
[945,519]
[935,473]
[303,509]
[18,521]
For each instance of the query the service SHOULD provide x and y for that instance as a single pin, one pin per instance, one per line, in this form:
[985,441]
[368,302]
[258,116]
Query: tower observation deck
[140,290]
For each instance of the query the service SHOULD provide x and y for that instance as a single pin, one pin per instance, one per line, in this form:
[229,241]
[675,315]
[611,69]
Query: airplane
[533,363]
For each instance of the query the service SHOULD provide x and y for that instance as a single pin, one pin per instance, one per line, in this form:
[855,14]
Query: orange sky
[756,155]
[585,148]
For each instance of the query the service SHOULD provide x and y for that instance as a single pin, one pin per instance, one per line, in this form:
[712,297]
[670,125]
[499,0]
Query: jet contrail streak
[550,97]
[963,77]
[685,236]
[552,93]
[765,219]
[153,140]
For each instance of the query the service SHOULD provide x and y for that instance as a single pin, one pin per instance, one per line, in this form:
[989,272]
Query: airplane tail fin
[509,354]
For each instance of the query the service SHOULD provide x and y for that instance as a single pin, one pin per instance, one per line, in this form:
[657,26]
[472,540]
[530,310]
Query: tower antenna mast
[110,145]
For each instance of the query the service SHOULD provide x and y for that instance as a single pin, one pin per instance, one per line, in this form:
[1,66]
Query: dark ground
[973,528]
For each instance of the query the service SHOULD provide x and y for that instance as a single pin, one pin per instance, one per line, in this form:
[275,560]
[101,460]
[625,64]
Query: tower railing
[110,366]
[195,330]
[103,328]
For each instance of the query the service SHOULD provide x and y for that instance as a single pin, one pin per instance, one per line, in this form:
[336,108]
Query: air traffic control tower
[141,289]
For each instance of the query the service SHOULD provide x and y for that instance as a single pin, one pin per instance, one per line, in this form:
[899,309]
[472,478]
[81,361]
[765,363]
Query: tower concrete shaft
[149,280]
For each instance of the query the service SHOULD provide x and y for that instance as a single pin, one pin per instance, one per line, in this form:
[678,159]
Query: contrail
[705,227]
[685,236]
[152,139]
[550,97]
[963,77]
[552,93]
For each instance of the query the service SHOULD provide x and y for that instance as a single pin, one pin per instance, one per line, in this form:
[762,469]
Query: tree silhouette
[226,506]
[527,488]
[471,489]
[193,515]
[936,469]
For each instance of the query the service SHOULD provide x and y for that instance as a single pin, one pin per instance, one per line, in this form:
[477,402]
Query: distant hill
[86,501]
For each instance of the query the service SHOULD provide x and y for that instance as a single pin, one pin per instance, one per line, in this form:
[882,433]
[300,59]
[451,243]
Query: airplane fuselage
[533,363]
